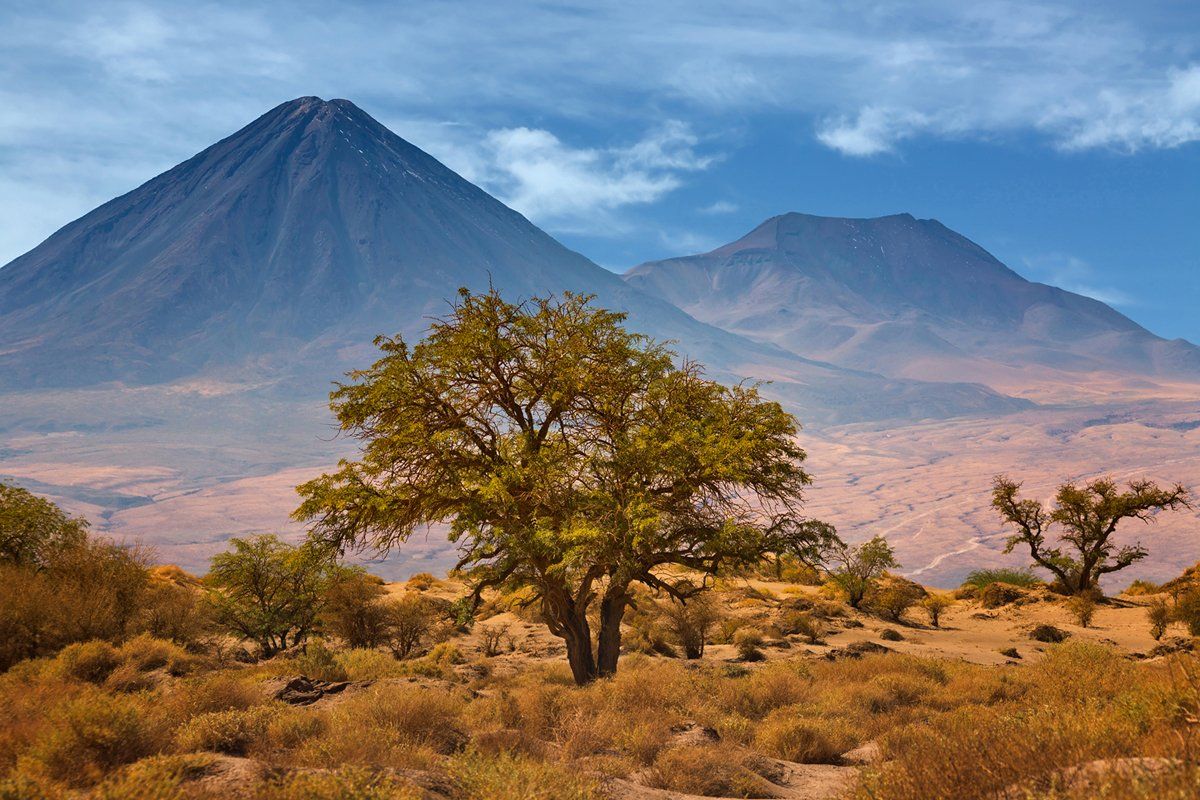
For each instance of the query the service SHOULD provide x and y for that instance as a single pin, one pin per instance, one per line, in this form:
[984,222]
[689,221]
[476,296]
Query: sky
[1064,137]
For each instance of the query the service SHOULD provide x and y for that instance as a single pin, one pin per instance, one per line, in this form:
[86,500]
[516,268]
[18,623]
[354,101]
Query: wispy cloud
[579,188]
[1075,275]
[719,207]
[110,85]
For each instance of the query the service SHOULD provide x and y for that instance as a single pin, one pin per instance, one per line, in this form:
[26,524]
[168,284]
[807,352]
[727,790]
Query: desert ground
[184,468]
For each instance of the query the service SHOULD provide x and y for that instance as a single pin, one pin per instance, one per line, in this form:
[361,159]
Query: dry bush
[146,652]
[691,623]
[491,637]
[1048,634]
[803,624]
[893,597]
[1141,588]
[1187,611]
[710,770]
[346,783]
[1083,608]
[173,610]
[891,635]
[163,777]
[1159,615]
[411,622]
[421,582]
[88,661]
[510,777]
[319,662]
[934,605]
[999,593]
[748,641]
[232,732]
[354,609]
[92,735]
[785,734]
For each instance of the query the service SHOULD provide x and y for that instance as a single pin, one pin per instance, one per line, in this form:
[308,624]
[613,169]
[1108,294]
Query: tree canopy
[1088,516]
[569,456]
[33,529]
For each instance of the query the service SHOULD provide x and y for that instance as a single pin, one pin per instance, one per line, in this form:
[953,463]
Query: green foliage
[893,597]
[1088,516]
[354,610]
[981,578]
[88,661]
[1158,613]
[1187,611]
[1083,607]
[859,567]
[268,591]
[91,590]
[934,605]
[91,736]
[319,662]
[34,530]
[563,450]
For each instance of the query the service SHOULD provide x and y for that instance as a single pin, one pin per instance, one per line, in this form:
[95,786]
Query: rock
[690,734]
[864,755]
[1048,634]
[1168,646]
[304,691]
[856,650]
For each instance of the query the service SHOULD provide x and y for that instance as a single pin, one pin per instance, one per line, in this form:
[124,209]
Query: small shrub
[410,623]
[708,770]
[691,623]
[785,735]
[802,624]
[421,582]
[893,598]
[1010,652]
[491,637]
[88,661]
[231,732]
[1187,611]
[1048,634]
[934,605]
[1159,615]
[981,578]
[156,778]
[1141,587]
[354,609]
[145,653]
[1000,593]
[1083,607]
[748,641]
[91,736]
[344,783]
[318,661]
[891,635]
[513,777]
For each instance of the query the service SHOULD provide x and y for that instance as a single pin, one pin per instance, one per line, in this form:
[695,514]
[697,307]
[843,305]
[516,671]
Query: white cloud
[719,207]
[533,171]
[872,131]
[1074,275]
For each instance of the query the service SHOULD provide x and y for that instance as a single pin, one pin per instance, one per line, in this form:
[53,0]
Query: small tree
[268,591]
[1083,607]
[934,604]
[571,458]
[894,597]
[859,567]
[1088,516]
[1159,615]
[33,530]
[354,610]
[691,621]
[410,621]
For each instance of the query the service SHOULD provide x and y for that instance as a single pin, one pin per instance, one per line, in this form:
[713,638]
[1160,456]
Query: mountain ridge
[895,294]
[282,250]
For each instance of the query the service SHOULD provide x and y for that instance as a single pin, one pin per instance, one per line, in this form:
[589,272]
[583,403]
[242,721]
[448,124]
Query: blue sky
[1062,136]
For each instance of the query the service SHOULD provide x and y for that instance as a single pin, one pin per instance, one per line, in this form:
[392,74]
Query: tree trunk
[578,636]
[612,611]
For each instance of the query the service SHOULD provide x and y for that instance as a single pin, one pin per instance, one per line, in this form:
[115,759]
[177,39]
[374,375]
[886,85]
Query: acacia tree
[269,591]
[1088,516]
[33,530]
[570,457]
[860,566]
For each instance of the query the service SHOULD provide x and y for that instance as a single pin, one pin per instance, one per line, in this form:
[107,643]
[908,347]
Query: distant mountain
[907,298]
[276,256]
